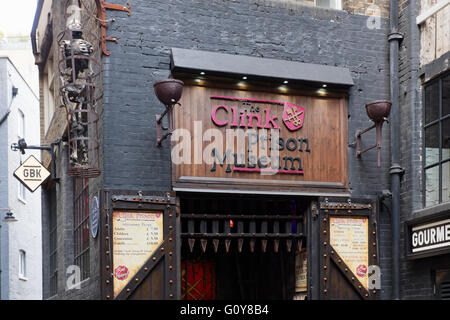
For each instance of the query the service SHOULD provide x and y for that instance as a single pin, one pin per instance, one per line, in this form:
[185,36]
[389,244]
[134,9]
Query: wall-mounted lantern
[378,111]
[169,93]
[9,216]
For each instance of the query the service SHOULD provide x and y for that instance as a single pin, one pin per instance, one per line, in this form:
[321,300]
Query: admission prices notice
[349,237]
[136,235]
[301,271]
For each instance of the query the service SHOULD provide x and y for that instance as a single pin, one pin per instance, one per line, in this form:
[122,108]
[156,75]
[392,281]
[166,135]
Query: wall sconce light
[9,217]
[169,93]
[378,111]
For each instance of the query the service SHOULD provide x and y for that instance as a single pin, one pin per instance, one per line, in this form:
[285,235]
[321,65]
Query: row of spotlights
[245,78]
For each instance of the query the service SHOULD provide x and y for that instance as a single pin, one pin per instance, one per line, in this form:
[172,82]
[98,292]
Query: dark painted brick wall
[142,56]
[416,276]
[247,27]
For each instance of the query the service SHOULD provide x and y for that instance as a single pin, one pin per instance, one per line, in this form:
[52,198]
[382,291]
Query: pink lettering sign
[293,115]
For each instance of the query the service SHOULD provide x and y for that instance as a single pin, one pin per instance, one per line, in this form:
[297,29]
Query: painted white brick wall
[24,234]
[3,178]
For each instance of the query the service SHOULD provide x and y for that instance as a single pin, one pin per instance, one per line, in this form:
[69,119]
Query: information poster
[136,236]
[301,271]
[349,237]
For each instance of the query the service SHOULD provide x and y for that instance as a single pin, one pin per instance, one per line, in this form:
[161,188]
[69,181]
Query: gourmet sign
[430,236]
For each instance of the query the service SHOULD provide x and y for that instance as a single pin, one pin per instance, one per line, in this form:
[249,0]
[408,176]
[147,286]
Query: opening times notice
[136,236]
[349,237]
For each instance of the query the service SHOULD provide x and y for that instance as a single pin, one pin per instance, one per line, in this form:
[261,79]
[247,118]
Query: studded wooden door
[139,253]
[348,256]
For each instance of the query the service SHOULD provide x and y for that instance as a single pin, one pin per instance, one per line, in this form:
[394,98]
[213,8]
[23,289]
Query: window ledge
[80,285]
[23,278]
[21,200]
[329,8]
[431,211]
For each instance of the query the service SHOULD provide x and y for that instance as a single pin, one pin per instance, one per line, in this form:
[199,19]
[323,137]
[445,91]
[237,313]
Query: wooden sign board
[136,236]
[349,236]
[31,173]
[429,236]
[293,142]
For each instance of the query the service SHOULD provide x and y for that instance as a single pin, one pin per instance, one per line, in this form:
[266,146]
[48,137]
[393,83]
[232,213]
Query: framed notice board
[348,258]
[139,247]
[349,237]
[136,236]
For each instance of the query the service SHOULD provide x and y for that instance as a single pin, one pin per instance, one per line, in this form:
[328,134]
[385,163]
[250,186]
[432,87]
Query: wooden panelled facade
[320,144]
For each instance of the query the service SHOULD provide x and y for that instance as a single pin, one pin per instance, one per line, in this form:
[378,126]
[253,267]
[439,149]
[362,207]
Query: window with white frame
[21,125]
[22,191]
[436,140]
[48,92]
[81,226]
[331,4]
[22,264]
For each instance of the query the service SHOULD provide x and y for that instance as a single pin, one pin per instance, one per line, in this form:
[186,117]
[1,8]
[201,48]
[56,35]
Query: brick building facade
[20,256]
[351,35]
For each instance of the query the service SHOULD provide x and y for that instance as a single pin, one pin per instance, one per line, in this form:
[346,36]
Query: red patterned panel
[198,280]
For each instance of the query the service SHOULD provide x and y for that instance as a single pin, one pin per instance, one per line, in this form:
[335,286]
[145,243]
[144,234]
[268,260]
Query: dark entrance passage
[238,276]
[240,247]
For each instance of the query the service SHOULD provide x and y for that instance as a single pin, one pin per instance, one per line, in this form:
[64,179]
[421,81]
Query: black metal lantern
[169,92]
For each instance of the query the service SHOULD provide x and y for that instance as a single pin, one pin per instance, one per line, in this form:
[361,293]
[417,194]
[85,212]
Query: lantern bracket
[101,14]
[22,145]
[160,137]
[378,111]
[377,145]
[168,92]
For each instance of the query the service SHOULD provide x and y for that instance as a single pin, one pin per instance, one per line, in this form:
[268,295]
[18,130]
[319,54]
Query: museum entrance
[240,247]
[243,247]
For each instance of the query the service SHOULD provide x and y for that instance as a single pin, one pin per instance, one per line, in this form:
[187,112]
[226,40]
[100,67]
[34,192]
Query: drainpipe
[395,171]
[35,25]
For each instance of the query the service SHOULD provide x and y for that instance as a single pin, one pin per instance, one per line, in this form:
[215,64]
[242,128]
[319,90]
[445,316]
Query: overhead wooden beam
[431,11]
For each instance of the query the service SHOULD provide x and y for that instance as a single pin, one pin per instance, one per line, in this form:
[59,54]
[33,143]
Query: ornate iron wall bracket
[160,136]
[378,111]
[168,92]
[101,14]
[22,145]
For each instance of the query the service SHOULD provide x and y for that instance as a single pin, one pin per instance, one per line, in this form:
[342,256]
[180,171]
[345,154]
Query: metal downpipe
[395,170]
